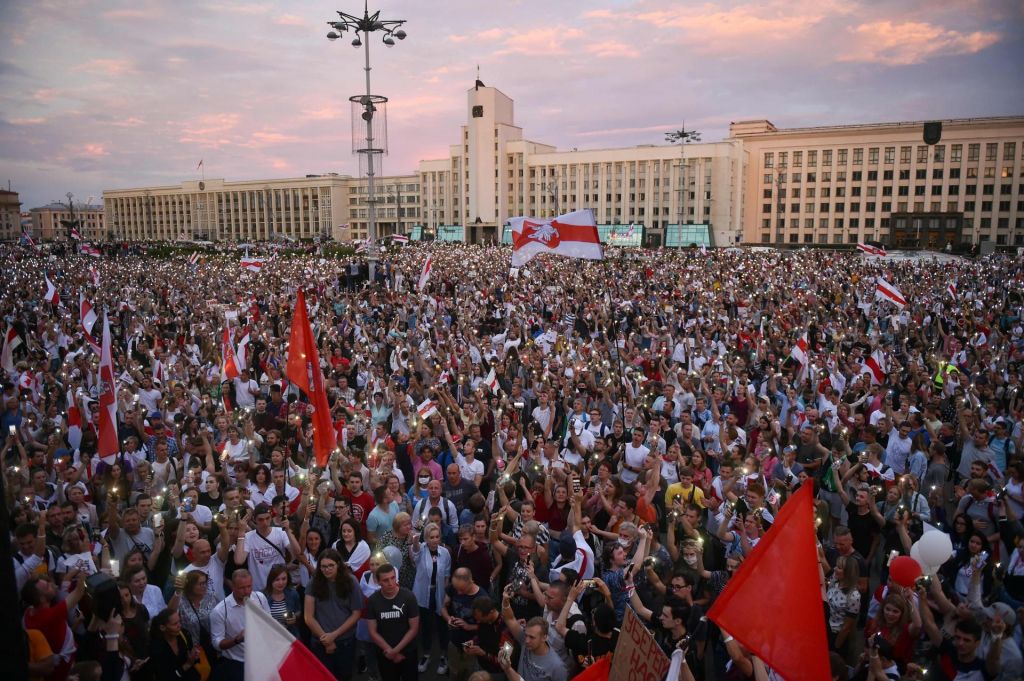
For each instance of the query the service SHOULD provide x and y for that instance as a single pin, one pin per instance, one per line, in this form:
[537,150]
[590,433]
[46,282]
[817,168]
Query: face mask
[424,482]
[624,543]
[690,560]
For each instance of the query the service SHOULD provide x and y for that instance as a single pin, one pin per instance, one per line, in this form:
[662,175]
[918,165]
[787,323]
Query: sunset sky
[108,94]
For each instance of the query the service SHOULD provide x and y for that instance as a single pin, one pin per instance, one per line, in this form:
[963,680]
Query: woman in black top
[173,654]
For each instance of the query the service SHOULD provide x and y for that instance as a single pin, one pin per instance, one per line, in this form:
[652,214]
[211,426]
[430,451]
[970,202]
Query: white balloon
[915,553]
[935,548]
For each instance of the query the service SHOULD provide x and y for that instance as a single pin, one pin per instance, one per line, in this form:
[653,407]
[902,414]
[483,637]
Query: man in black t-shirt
[458,612]
[394,622]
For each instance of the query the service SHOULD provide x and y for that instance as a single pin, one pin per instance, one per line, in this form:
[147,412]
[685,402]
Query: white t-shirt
[243,397]
[150,399]
[634,457]
[543,417]
[470,469]
[263,555]
[214,570]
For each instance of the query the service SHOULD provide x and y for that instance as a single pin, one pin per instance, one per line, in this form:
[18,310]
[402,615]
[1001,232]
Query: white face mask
[690,560]
[624,543]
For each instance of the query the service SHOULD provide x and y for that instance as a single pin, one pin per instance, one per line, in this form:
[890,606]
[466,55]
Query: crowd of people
[522,456]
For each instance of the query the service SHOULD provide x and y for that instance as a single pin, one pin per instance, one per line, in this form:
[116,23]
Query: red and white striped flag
[872,250]
[51,296]
[952,289]
[799,354]
[194,258]
[229,367]
[887,291]
[492,381]
[400,238]
[361,248]
[875,366]
[425,274]
[87,317]
[573,235]
[273,654]
[107,445]
[74,421]
[243,347]
[75,234]
[91,251]
[252,264]
[11,341]
[426,408]
[94,276]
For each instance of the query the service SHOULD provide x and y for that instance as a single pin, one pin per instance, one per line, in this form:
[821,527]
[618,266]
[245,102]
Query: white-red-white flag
[887,291]
[11,341]
[872,250]
[74,421]
[194,258]
[400,238]
[91,251]
[428,265]
[875,367]
[94,276]
[426,408]
[229,365]
[107,445]
[573,235]
[87,317]
[51,296]
[242,349]
[273,654]
[952,289]
[799,351]
[492,381]
[252,264]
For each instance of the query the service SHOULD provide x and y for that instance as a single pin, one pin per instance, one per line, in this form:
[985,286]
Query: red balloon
[904,570]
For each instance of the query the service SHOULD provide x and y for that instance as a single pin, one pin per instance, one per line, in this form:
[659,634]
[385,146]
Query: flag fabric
[75,234]
[94,276]
[400,238]
[194,258]
[425,274]
[426,408]
[51,296]
[273,654]
[361,248]
[872,250]
[887,291]
[875,366]
[573,235]
[11,342]
[91,251]
[252,264]
[799,351]
[74,421]
[27,240]
[107,446]
[492,381]
[242,349]
[952,290]
[87,321]
[780,576]
[229,365]
[200,164]
[303,369]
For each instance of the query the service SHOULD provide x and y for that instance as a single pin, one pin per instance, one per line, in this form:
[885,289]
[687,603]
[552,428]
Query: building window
[794,238]
[990,151]
[798,158]
[858,156]
[812,159]
[940,153]
[956,153]
[890,154]
[826,157]
[904,174]
[856,176]
[904,154]
[921,174]
[922,153]
[973,152]
[936,173]
[842,156]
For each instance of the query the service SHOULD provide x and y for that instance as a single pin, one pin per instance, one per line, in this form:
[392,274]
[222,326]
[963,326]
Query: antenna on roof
[479,83]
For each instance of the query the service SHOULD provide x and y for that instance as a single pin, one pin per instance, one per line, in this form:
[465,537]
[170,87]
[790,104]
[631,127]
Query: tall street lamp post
[374,142]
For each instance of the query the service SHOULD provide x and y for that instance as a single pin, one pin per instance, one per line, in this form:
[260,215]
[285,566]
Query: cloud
[93,150]
[901,44]
[130,14]
[291,20]
[665,127]
[613,49]
[27,121]
[107,67]
[210,129]
[542,42]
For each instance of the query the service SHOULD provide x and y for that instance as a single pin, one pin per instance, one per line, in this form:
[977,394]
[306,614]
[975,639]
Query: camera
[923,581]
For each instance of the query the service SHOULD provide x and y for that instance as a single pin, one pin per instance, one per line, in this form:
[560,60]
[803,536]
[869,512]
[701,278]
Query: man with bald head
[458,612]
[457,489]
[209,563]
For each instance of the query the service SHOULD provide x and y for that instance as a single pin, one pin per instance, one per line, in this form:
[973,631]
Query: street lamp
[682,136]
[371,145]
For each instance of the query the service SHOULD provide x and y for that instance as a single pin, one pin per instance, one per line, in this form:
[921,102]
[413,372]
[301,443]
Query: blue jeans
[340,661]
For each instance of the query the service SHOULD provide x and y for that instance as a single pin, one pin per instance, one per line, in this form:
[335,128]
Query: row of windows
[779,177]
[903,190]
[886,207]
[938,154]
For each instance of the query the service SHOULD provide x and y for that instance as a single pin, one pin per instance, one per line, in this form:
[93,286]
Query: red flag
[597,671]
[573,235]
[108,444]
[781,576]
[303,369]
[229,367]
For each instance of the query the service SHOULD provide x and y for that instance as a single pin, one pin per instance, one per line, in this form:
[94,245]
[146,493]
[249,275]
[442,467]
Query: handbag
[202,665]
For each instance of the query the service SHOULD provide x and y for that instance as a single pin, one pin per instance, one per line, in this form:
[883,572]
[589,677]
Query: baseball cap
[1003,612]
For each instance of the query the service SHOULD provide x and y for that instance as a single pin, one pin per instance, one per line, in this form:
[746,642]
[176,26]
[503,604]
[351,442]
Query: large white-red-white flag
[229,366]
[88,321]
[887,291]
[875,367]
[872,250]
[51,296]
[11,341]
[573,235]
[799,354]
[272,654]
[425,274]
[107,446]
[252,264]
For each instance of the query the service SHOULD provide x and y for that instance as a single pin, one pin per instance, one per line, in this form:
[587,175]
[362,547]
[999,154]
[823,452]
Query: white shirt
[245,399]
[153,599]
[227,620]
[214,571]
[263,555]
[634,457]
[470,469]
[543,417]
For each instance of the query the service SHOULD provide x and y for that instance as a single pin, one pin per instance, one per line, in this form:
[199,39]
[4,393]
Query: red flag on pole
[781,576]
[108,444]
[229,366]
[303,369]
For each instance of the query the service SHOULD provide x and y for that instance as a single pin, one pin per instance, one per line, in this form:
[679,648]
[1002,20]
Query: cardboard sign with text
[637,655]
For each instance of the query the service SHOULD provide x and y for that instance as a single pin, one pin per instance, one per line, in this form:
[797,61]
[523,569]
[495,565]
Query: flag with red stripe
[273,654]
[887,291]
[11,341]
[51,296]
[428,265]
[872,250]
[875,366]
[87,317]
[229,367]
[573,235]
[107,428]
[303,369]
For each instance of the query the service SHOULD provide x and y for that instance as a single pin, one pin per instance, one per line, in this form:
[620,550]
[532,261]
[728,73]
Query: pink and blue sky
[108,94]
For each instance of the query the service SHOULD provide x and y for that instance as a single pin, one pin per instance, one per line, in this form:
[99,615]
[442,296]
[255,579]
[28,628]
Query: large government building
[761,185]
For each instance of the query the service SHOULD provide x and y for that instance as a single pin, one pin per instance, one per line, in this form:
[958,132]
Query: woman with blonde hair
[843,605]
[433,570]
